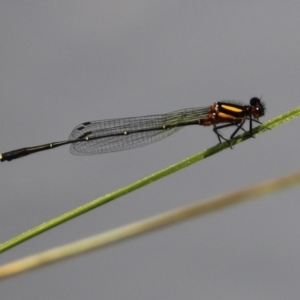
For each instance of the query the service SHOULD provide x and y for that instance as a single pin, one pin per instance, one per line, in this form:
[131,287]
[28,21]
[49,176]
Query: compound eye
[257,108]
[257,112]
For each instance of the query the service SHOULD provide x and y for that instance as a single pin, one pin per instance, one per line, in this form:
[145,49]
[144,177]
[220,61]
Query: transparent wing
[126,133]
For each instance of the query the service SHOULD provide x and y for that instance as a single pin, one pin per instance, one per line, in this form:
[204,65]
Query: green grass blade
[145,181]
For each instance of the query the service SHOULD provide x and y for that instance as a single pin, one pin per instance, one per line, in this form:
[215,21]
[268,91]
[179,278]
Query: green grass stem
[145,181]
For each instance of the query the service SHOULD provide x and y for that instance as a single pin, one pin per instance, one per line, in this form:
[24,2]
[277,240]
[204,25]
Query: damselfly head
[257,107]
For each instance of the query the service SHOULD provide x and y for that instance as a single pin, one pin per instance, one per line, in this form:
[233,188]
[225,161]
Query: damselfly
[121,134]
